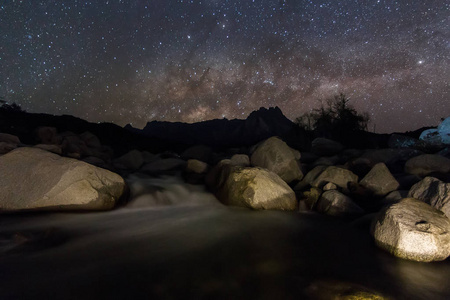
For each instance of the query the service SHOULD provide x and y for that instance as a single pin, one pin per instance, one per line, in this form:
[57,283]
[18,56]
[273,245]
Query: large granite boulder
[412,229]
[339,176]
[444,131]
[34,179]
[325,147]
[47,135]
[276,156]
[434,192]
[241,160]
[255,188]
[380,180]
[426,164]
[334,203]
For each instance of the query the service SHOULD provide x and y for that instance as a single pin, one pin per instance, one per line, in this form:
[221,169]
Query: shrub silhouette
[335,120]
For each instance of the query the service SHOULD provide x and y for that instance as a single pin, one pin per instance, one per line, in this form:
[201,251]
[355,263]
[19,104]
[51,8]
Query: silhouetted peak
[267,113]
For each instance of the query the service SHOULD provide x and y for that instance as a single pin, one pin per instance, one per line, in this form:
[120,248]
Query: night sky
[137,61]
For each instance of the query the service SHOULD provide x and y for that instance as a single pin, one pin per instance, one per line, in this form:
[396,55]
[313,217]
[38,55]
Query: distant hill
[259,125]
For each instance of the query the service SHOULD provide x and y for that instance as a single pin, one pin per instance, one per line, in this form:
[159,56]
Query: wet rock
[37,179]
[412,229]
[336,175]
[276,156]
[256,188]
[426,164]
[334,203]
[325,147]
[434,192]
[380,180]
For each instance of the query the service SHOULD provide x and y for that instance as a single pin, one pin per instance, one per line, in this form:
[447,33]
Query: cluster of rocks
[407,188]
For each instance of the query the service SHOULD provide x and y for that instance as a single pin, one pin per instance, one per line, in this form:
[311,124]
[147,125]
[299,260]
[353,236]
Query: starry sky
[188,60]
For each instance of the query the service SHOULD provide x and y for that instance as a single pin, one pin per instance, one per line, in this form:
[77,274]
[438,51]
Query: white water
[175,241]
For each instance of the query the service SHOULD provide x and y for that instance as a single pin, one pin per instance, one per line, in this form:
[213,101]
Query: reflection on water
[192,247]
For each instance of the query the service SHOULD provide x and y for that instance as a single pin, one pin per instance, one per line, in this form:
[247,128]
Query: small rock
[196,166]
[330,186]
[336,175]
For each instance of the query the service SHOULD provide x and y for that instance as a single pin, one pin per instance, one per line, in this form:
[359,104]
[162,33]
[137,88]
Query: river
[175,241]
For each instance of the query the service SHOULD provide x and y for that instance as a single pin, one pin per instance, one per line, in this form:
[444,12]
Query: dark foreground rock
[434,192]
[33,179]
[413,230]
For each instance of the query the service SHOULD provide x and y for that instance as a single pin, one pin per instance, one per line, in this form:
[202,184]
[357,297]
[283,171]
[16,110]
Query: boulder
[241,160]
[426,164]
[276,156]
[196,166]
[199,152]
[334,203]
[412,229]
[431,137]
[9,139]
[307,181]
[395,196]
[47,135]
[34,179]
[330,186]
[380,181]
[73,145]
[434,192]
[256,188]
[325,147]
[444,131]
[327,161]
[132,160]
[91,140]
[339,176]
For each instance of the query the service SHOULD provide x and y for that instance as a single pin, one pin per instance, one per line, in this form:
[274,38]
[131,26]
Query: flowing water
[175,241]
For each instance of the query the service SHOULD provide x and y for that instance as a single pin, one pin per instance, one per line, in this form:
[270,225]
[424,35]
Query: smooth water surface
[178,242]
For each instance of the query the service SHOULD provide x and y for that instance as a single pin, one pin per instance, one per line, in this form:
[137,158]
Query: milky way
[137,61]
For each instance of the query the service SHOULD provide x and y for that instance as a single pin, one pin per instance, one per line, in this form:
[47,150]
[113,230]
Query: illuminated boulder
[255,188]
[35,179]
[276,156]
[413,230]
